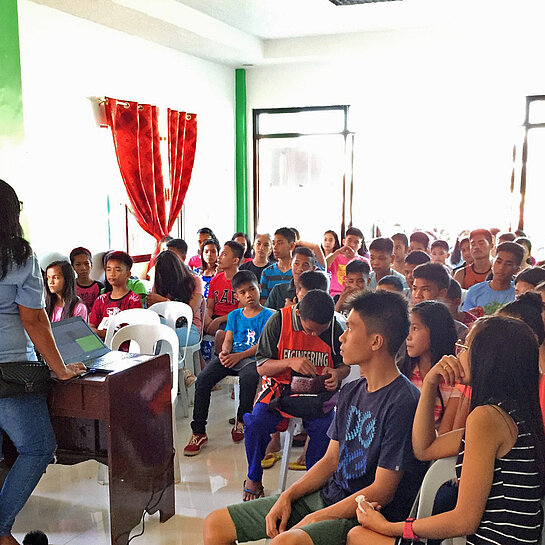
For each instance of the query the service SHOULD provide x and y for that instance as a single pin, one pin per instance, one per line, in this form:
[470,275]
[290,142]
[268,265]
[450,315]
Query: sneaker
[197,441]
[237,433]
[189,377]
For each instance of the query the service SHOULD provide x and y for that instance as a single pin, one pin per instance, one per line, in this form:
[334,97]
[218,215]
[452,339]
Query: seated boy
[480,247]
[280,272]
[381,252]
[87,289]
[297,340]
[262,250]
[413,259]
[339,259]
[118,271]
[311,280]
[179,247]
[488,296]
[440,251]
[453,301]
[390,283]
[283,294]
[369,450]
[528,279]
[401,249]
[356,280]
[221,295]
[419,241]
[237,358]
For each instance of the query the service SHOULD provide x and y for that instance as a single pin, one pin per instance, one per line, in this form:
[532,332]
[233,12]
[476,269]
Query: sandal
[256,494]
[297,466]
[270,459]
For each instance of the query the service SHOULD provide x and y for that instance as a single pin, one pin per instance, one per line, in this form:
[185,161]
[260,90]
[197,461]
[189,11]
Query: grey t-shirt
[374,430]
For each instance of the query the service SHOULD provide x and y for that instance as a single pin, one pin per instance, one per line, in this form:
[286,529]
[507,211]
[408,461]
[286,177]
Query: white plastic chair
[146,336]
[130,316]
[288,438]
[439,472]
[172,311]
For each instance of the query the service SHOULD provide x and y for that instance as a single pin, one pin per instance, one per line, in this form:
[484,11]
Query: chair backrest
[146,336]
[171,311]
[131,316]
[439,472]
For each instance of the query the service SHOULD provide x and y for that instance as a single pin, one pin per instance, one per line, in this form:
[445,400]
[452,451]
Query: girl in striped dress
[501,452]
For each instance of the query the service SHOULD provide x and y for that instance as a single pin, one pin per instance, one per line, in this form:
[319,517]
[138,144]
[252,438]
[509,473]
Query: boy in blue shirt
[280,272]
[237,358]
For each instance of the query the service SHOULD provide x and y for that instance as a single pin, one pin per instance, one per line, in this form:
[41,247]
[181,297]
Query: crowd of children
[277,310]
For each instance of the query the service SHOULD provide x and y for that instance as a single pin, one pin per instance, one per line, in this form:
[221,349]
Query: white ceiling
[273,19]
[251,32]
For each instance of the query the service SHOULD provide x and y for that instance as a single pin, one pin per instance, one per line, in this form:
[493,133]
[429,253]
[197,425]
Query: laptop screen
[76,341]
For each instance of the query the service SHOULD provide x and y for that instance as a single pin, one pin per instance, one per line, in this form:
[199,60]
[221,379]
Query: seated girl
[209,251]
[432,335]
[501,452]
[175,282]
[61,301]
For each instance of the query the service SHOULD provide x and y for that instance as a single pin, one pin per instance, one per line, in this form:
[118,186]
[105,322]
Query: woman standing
[23,326]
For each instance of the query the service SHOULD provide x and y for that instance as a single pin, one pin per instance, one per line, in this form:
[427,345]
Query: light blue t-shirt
[21,286]
[482,295]
[246,331]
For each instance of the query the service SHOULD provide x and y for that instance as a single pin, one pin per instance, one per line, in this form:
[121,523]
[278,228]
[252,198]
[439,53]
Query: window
[303,170]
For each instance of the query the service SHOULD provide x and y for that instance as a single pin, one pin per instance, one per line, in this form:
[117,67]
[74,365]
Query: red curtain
[182,140]
[136,141]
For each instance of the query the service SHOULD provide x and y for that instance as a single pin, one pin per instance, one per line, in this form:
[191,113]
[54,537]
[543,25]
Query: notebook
[77,342]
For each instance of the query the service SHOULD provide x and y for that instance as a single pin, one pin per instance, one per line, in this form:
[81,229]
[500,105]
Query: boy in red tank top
[298,340]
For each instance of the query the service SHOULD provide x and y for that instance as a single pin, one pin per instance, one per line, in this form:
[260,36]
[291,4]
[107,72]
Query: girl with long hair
[175,282]
[209,251]
[330,243]
[501,451]
[432,335]
[61,301]
[24,326]
[244,240]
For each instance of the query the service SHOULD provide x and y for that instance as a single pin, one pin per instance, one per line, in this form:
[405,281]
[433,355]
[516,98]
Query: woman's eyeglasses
[459,347]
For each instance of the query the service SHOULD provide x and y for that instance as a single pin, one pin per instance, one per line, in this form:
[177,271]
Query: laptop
[77,342]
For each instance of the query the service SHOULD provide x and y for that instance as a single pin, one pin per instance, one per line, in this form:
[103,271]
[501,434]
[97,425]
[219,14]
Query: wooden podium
[123,419]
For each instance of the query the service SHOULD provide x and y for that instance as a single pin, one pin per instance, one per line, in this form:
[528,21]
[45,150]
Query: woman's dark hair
[14,249]
[527,307]
[68,295]
[248,249]
[208,241]
[336,237]
[508,370]
[437,318]
[173,279]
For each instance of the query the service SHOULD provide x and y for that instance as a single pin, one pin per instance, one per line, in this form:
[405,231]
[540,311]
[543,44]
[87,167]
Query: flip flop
[296,466]
[259,493]
[270,459]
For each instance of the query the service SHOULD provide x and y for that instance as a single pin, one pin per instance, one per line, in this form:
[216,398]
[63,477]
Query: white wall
[68,165]
[436,114]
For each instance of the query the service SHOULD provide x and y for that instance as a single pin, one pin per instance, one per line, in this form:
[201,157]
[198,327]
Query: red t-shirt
[105,306]
[89,294]
[222,293]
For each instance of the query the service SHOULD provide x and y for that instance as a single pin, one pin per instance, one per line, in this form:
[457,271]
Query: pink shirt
[338,272]
[79,310]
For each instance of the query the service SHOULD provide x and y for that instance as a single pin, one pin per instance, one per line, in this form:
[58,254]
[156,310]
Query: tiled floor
[72,508]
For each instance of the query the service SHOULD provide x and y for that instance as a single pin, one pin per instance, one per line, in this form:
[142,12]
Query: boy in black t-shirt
[369,453]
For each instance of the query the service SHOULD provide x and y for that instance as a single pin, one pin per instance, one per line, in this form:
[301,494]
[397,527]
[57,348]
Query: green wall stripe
[11,100]
[241,151]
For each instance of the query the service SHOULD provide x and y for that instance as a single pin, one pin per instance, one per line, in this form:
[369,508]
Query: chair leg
[236,386]
[288,437]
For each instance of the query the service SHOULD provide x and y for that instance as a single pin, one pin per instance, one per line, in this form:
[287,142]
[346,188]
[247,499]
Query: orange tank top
[295,344]
[471,277]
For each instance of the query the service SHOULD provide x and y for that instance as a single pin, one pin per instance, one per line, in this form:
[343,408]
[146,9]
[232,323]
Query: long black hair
[213,241]
[14,249]
[504,358]
[437,318]
[528,308]
[68,295]
[337,244]
[173,279]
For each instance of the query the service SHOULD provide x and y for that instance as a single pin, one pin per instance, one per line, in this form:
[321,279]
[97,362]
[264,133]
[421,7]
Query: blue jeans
[261,422]
[26,421]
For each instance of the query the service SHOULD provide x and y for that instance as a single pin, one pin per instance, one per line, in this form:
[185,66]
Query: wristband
[408,532]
